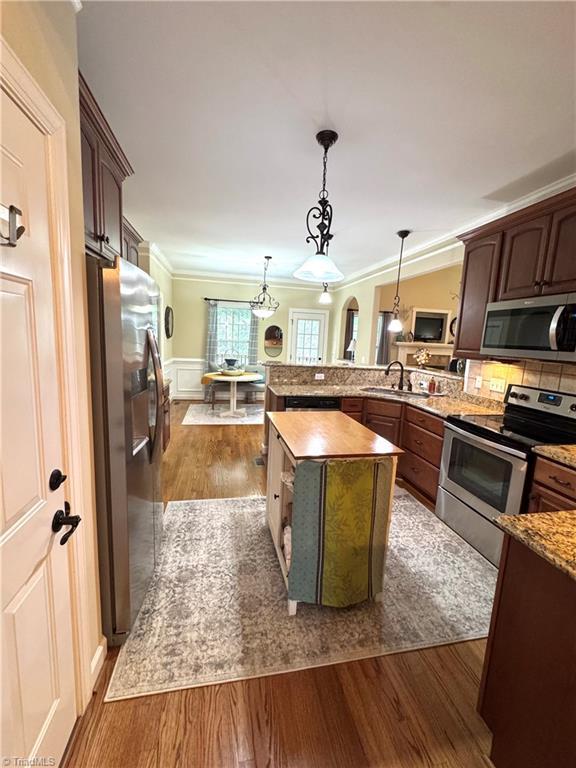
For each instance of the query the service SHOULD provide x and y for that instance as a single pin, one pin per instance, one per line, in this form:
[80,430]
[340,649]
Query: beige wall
[367,291]
[436,290]
[43,36]
[164,280]
[190,311]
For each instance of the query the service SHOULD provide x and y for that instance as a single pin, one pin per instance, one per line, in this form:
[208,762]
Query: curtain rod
[230,301]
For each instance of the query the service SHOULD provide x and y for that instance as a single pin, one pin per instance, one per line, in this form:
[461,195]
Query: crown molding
[227,278]
[161,259]
[77,5]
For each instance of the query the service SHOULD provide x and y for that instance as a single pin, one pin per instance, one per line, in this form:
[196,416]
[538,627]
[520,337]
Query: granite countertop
[563,454]
[439,405]
[552,535]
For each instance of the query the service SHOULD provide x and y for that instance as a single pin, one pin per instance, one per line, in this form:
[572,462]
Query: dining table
[233,380]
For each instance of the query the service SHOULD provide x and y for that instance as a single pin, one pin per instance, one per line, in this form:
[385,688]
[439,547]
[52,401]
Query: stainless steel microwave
[543,328]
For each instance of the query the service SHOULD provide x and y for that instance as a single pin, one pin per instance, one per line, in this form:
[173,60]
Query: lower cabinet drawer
[425,420]
[422,443]
[355,416]
[419,473]
[555,476]
[383,408]
[351,404]
[387,428]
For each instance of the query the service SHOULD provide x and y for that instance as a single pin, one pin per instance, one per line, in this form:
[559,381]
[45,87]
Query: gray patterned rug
[216,610]
[203,414]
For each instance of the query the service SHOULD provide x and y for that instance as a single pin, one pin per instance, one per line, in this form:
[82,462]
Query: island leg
[292,607]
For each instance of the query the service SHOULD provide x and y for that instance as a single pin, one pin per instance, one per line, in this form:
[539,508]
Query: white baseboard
[98,661]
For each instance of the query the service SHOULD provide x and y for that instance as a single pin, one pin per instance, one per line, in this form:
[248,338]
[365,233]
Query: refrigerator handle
[159,386]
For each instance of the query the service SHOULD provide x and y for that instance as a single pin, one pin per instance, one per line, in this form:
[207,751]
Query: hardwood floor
[409,710]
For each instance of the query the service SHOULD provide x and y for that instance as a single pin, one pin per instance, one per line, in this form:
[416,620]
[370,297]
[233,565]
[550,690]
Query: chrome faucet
[401,382]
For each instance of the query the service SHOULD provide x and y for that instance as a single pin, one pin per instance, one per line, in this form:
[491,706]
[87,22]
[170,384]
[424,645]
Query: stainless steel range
[486,461]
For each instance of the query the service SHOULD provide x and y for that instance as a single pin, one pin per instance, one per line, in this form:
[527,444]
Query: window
[236,333]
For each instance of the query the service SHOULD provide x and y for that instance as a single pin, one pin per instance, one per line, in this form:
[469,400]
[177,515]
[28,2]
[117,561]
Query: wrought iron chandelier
[264,305]
[319,268]
[395,324]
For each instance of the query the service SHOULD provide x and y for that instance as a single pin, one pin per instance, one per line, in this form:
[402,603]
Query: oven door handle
[496,448]
[553,330]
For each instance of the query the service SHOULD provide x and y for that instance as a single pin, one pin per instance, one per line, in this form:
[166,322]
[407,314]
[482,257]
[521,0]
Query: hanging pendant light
[395,325]
[325,296]
[263,305]
[319,268]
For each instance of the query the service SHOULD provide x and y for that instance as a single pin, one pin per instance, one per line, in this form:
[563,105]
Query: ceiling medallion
[319,268]
[263,305]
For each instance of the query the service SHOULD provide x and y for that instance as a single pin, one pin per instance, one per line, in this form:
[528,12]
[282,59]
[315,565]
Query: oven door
[488,477]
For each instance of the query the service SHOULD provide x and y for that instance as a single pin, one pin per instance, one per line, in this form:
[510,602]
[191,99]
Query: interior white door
[308,336]
[38,684]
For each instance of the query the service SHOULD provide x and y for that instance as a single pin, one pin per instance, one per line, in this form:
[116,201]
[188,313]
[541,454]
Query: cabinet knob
[276,495]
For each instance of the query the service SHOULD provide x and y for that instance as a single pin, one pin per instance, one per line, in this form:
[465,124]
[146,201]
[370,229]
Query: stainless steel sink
[395,392]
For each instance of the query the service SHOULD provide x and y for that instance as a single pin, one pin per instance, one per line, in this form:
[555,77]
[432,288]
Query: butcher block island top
[328,435]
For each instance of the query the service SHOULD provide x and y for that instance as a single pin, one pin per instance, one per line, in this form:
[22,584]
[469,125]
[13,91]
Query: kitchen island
[528,691]
[328,505]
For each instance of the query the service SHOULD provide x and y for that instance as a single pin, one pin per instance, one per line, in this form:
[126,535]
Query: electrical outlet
[319,376]
[478,382]
[497,385]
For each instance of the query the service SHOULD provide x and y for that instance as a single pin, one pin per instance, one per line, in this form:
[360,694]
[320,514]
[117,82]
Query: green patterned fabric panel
[346,571]
[306,520]
[339,530]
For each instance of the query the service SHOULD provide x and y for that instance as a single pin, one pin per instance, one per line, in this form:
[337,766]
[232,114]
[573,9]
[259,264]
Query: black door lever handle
[62,518]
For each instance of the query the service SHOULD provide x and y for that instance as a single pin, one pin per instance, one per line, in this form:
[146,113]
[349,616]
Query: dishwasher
[313,403]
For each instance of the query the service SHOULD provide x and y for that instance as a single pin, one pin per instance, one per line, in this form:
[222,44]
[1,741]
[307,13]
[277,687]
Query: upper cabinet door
[90,188]
[523,258]
[560,271]
[111,186]
[479,276]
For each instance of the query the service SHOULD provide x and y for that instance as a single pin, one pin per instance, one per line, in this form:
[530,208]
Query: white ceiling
[446,112]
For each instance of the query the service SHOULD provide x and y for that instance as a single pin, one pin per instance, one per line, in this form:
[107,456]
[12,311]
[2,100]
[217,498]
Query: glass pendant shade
[319,268]
[325,297]
[395,325]
[262,313]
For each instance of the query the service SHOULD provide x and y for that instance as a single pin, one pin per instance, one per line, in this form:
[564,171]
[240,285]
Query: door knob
[62,518]
[14,231]
[57,477]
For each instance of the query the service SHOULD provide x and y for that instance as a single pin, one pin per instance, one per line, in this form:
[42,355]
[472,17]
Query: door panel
[560,272]
[479,276]
[37,652]
[523,256]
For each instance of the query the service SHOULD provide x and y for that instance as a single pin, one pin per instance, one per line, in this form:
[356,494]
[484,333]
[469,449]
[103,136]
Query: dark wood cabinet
[104,168]
[385,426]
[523,259]
[479,276]
[560,269]
[130,242]
[524,254]
[542,499]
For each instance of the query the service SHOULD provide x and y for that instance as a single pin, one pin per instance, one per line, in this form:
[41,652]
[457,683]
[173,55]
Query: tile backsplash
[494,377]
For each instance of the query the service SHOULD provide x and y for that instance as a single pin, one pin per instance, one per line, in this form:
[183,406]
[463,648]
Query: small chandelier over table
[264,305]
[319,268]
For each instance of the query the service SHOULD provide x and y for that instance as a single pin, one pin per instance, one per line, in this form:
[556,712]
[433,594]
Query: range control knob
[573,407]
[514,395]
[522,396]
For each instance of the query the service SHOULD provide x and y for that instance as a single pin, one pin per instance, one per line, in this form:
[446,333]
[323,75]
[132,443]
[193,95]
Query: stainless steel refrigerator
[127,392]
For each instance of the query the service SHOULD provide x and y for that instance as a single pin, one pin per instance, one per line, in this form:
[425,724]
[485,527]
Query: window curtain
[383,348]
[210,357]
[253,342]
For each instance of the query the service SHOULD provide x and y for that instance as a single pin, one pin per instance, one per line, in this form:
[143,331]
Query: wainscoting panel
[186,374]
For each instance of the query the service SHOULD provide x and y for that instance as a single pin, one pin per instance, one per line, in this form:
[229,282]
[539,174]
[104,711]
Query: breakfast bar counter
[329,498]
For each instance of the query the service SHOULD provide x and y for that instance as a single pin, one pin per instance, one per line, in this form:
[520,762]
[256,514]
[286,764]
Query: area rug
[216,609]
[203,414]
